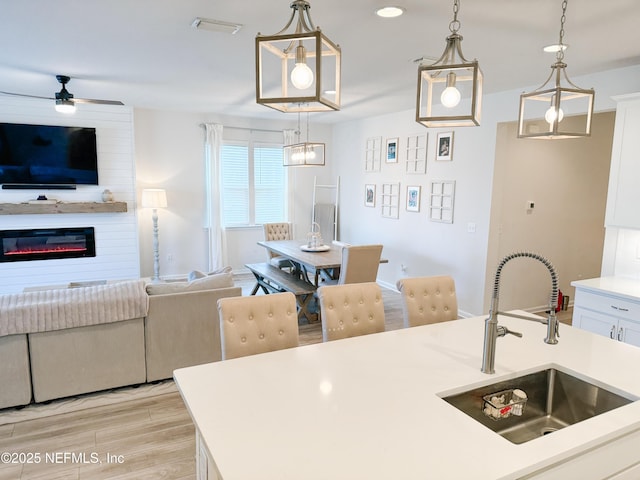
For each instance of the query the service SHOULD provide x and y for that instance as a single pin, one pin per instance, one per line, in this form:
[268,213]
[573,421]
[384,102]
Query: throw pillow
[209,282]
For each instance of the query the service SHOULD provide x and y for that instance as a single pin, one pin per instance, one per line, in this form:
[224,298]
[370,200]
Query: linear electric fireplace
[47,243]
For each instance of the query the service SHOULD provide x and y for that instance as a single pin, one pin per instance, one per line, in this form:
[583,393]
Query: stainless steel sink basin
[555,399]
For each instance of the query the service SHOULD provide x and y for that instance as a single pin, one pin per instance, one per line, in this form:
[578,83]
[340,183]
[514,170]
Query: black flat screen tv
[45,156]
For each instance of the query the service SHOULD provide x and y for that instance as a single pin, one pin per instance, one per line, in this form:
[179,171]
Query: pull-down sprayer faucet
[491,328]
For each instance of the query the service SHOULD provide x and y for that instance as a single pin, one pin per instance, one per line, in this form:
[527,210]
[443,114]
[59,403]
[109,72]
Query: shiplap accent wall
[117,250]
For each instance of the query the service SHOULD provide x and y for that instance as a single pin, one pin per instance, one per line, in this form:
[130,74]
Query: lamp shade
[304,154]
[559,108]
[299,70]
[154,198]
[450,90]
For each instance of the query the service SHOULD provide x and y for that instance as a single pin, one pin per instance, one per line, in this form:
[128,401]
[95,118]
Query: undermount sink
[555,399]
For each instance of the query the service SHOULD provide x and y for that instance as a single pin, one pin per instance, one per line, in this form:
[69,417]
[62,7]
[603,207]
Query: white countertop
[370,407]
[620,286]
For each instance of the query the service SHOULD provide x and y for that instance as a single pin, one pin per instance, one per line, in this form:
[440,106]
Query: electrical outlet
[170,258]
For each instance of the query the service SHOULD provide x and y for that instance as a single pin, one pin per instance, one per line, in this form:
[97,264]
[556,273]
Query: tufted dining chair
[428,300]
[278,231]
[359,264]
[257,324]
[350,310]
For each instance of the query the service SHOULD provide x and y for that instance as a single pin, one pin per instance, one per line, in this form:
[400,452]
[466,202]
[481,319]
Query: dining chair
[359,264]
[257,324]
[278,231]
[428,300]
[350,310]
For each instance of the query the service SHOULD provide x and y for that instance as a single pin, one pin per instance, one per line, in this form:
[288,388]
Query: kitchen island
[371,408]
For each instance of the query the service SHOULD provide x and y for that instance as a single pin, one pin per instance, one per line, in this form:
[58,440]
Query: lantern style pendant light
[450,90]
[298,71]
[558,108]
[301,154]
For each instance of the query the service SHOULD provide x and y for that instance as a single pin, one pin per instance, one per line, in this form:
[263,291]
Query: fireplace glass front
[47,243]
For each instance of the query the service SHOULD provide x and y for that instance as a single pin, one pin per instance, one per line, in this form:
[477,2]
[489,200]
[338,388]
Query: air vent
[216,25]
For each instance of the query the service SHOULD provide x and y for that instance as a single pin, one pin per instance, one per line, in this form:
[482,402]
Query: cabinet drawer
[608,305]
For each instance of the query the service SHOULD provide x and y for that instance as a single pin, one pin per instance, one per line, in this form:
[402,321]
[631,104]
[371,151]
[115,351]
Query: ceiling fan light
[65,106]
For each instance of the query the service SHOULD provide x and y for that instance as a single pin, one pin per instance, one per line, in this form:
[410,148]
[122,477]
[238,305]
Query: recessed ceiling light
[554,48]
[389,12]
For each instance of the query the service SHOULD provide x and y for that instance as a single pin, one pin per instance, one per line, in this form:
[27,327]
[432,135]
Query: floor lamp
[155,198]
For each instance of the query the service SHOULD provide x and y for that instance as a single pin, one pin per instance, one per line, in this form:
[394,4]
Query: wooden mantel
[62,207]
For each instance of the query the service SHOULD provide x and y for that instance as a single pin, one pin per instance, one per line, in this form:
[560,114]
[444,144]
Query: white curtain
[213,147]
[289,138]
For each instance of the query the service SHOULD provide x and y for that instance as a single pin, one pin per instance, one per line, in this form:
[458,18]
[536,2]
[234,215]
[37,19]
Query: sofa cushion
[209,282]
[195,274]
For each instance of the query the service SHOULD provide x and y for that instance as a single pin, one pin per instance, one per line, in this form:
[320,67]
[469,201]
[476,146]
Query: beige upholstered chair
[257,324]
[351,310]
[277,231]
[359,264]
[428,300]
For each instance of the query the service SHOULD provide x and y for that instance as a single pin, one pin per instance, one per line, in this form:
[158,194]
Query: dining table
[322,260]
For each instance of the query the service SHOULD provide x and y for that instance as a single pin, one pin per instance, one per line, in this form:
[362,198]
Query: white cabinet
[623,196]
[607,315]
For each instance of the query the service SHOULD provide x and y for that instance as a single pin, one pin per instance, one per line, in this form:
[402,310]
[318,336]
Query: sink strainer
[548,430]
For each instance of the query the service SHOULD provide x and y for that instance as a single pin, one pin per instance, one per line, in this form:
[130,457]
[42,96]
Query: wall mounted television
[46,156]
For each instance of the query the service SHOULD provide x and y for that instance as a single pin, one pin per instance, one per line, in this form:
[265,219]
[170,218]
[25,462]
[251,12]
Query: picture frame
[390,200]
[391,152]
[444,147]
[370,195]
[373,152]
[441,200]
[415,154]
[413,198]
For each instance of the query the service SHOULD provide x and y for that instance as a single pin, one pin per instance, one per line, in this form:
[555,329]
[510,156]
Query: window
[253,183]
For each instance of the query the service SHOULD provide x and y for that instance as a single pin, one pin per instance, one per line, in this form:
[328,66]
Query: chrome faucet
[491,328]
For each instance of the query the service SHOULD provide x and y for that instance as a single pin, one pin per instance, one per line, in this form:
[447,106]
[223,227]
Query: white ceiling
[146,54]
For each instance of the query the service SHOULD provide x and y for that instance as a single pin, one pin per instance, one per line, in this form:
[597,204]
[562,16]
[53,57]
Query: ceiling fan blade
[25,95]
[65,95]
[101,102]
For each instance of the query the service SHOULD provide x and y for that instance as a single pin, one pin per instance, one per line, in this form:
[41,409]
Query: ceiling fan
[65,101]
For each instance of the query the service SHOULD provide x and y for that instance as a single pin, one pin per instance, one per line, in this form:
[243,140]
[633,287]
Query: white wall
[170,154]
[567,180]
[117,254]
[426,247]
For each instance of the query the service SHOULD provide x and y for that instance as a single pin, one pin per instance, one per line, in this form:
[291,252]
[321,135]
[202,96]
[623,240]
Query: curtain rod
[248,129]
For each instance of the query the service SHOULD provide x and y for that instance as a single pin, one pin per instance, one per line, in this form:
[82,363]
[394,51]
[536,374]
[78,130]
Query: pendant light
[301,154]
[299,70]
[558,108]
[450,90]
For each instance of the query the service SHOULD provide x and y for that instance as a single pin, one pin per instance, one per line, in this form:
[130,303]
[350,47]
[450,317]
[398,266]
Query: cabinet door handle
[620,308]
[612,333]
[620,334]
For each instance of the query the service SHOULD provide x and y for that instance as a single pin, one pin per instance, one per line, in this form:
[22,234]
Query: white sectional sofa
[68,341]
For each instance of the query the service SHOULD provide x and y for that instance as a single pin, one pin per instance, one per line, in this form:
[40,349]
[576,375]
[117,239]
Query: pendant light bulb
[450,96]
[552,113]
[301,75]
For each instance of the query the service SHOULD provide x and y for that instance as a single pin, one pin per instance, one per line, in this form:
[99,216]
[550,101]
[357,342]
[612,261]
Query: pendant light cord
[560,52]
[454,26]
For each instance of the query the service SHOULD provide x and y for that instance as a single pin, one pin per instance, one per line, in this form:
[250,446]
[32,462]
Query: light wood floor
[132,436]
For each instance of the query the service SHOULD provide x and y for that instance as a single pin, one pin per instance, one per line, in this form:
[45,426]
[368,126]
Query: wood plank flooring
[126,434]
